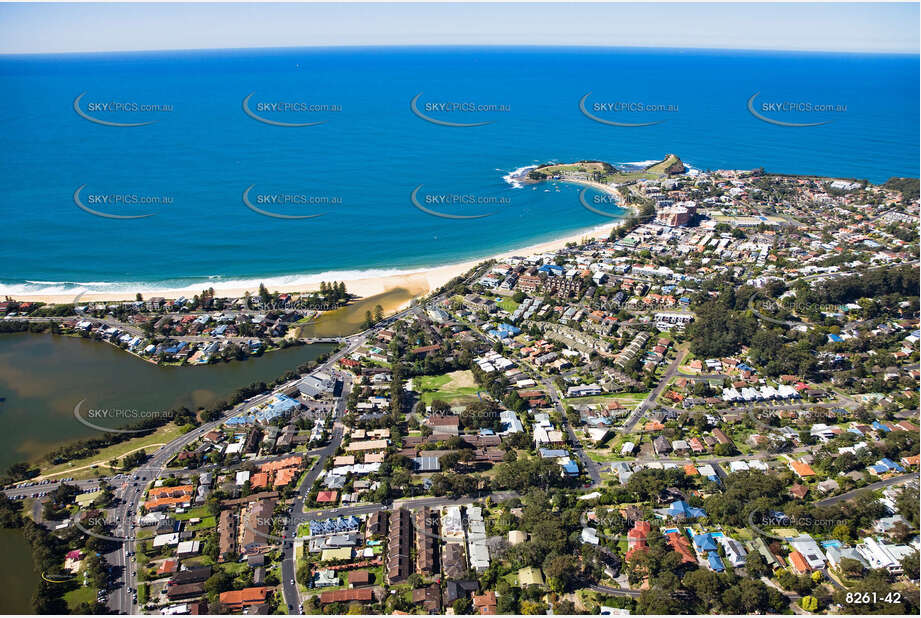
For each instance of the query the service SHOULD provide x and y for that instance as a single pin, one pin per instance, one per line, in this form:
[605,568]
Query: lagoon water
[370,154]
[43,377]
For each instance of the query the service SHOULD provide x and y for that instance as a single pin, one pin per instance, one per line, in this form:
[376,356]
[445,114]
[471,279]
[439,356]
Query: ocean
[201,150]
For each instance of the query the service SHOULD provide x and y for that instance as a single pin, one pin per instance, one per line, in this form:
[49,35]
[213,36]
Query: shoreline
[424,279]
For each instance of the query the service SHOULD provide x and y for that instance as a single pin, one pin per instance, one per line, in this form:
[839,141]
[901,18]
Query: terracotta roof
[160,492]
[799,562]
[327,496]
[680,544]
[362,595]
[802,469]
[259,480]
[287,462]
[360,577]
[247,596]
[153,504]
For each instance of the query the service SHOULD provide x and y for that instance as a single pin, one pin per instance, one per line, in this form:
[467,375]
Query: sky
[845,27]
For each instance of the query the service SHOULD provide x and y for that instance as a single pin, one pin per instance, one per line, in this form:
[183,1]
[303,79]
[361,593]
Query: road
[895,480]
[122,601]
[617,592]
[590,465]
[650,401]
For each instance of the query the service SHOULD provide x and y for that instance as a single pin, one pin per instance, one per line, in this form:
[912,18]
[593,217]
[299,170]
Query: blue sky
[850,27]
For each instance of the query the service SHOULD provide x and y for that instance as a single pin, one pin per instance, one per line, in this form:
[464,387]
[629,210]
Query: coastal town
[712,409]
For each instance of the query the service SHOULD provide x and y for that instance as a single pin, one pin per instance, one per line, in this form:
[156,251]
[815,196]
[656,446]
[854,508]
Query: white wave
[515,176]
[194,285]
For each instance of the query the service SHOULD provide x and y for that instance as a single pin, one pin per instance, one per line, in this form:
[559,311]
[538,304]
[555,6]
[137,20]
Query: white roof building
[880,555]
[166,539]
[810,550]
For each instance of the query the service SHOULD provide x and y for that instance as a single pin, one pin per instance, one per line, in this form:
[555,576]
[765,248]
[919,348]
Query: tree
[560,571]
[841,532]
[218,583]
[850,567]
[704,584]
[755,565]
[910,565]
[461,606]
[809,603]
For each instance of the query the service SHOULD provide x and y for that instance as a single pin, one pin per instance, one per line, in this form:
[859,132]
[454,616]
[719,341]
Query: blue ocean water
[202,152]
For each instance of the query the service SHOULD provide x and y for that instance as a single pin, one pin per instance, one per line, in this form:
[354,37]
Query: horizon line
[877,52]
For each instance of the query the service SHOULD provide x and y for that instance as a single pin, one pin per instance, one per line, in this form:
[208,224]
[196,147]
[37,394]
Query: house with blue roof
[503,331]
[245,419]
[833,338]
[704,542]
[713,559]
[891,464]
[880,426]
[281,406]
[681,509]
[551,269]
[552,453]
[570,468]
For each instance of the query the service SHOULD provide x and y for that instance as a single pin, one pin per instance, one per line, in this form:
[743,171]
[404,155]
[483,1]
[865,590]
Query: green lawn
[80,595]
[627,399]
[605,456]
[508,304]
[206,522]
[199,511]
[661,166]
[454,387]
[164,434]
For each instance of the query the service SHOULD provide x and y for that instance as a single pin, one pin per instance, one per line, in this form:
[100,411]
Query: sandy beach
[418,282]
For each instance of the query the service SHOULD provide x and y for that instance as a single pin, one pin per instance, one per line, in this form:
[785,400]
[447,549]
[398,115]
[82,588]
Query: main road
[130,492]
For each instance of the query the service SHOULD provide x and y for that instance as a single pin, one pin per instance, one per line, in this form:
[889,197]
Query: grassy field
[628,400]
[83,468]
[508,304]
[199,511]
[661,166]
[622,177]
[79,595]
[587,167]
[205,523]
[455,387]
[605,455]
